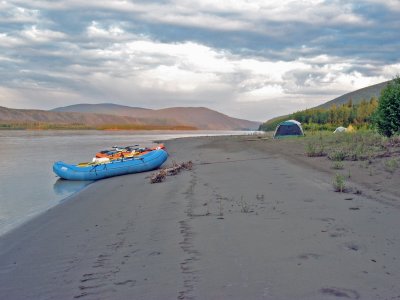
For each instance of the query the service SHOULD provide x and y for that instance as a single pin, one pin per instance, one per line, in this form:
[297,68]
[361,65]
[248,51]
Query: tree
[387,116]
[349,103]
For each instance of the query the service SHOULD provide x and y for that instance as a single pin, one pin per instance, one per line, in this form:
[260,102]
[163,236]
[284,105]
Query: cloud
[221,14]
[113,32]
[252,59]
[14,14]
[250,14]
[7,41]
[390,4]
[37,35]
[183,71]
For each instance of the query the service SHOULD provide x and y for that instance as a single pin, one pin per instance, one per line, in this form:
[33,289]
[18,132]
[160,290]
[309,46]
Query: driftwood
[158,177]
[175,169]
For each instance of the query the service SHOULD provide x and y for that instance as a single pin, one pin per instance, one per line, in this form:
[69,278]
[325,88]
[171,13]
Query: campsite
[289,128]
[231,217]
[207,231]
[190,150]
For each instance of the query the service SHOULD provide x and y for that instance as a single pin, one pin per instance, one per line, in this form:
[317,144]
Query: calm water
[28,185]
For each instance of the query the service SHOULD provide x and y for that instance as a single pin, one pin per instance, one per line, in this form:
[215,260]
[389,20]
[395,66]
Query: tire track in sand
[188,269]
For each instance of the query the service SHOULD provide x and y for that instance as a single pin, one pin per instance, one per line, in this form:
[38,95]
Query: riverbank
[252,220]
[28,185]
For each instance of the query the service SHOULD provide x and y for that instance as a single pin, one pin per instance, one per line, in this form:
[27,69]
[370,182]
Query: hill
[41,119]
[103,108]
[357,96]
[199,117]
[87,116]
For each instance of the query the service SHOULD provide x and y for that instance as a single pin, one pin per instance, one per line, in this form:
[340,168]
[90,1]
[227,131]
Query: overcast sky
[252,59]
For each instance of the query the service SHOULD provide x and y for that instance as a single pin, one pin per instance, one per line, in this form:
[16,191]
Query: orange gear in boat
[126,152]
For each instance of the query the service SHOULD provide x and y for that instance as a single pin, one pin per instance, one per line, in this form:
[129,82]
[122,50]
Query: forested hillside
[354,108]
[359,115]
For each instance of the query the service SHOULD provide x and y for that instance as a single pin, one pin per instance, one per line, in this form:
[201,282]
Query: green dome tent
[288,128]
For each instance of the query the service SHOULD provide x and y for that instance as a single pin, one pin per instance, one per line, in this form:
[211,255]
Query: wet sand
[247,222]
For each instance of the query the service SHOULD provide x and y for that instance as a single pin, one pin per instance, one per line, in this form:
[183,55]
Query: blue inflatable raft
[95,171]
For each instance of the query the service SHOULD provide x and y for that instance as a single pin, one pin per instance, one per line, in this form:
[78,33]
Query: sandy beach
[249,221]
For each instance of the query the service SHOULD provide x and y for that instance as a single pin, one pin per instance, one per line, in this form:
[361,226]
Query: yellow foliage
[350,128]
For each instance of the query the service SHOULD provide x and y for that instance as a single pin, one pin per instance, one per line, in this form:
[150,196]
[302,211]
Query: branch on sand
[175,169]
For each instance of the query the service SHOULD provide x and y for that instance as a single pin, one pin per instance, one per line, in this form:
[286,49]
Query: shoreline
[40,189]
[244,223]
[10,226]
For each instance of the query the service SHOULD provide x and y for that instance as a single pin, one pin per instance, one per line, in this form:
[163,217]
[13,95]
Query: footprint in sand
[353,246]
[354,208]
[329,220]
[340,292]
[306,256]
[129,281]
[86,287]
[308,200]
[339,232]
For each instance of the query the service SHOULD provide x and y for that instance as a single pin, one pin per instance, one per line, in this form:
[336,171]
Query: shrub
[391,165]
[337,155]
[387,115]
[339,183]
[244,206]
[314,150]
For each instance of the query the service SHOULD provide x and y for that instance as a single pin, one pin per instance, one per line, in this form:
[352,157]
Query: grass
[351,152]
[337,155]
[245,207]
[339,183]
[314,149]
[391,165]
[357,146]
[366,146]
[337,165]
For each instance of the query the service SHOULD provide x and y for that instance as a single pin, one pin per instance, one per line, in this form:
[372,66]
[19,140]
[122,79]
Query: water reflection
[65,188]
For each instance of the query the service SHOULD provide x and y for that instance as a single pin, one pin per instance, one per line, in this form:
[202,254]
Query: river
[28,185]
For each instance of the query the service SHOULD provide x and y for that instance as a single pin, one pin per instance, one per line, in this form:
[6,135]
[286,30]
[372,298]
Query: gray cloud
[252,59]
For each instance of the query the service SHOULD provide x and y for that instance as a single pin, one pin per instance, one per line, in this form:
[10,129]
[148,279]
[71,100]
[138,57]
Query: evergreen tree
[387,116]
[359,114]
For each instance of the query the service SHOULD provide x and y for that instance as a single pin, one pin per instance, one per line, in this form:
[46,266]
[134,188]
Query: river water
[28,185]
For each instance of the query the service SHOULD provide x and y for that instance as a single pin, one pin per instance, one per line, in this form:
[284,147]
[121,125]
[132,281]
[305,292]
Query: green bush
[339,183]
[337,155]
[314,150]
[387,115]
[391,165]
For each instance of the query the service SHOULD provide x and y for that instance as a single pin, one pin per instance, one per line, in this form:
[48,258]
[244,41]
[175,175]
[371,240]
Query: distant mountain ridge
[118,116]
[32,115]
[199,117]
[357,96]
[101,108]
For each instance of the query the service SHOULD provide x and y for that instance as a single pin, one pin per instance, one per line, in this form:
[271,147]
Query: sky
[251,59]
